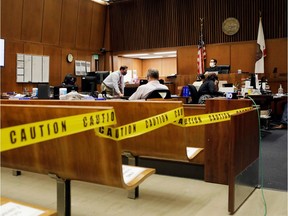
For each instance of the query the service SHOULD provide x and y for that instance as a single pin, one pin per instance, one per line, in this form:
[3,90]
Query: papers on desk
[226,89]
[14,209]
[192,152]
[131,172]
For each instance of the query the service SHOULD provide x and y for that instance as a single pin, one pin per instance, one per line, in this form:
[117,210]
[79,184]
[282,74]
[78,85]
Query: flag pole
[201,53]
[201,37]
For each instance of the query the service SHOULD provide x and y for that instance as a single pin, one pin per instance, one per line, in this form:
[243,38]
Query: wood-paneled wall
[54,28]
[239,55]
[148,24]
[82,27]
[152,24]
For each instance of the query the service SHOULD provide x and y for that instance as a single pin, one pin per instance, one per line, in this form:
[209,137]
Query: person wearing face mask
[213,65]
[209,88]
[114,83]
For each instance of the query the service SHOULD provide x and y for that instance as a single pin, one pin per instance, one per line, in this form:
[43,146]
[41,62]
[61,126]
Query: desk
[278,105]
[273,102]
[23,207]
[263,100]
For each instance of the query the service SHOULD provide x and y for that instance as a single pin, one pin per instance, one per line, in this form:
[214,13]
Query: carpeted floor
[274,159]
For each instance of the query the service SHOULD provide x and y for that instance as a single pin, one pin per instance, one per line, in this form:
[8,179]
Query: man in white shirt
[114,83]
[153,84]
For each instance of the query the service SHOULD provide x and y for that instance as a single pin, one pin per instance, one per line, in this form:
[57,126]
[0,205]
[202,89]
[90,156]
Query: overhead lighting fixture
[151,57]
[103,2]
[171,56]
[164,53]
[136,55]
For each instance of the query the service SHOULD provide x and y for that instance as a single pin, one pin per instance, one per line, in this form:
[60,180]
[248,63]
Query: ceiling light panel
[135,55]
[165,53]
[151,57]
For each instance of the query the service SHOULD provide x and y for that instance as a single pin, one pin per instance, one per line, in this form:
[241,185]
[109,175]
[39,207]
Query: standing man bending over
[153,83]
[114,83]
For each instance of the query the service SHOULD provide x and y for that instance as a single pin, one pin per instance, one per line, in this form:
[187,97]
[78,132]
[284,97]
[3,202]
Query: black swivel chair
[159,93]
[194,94]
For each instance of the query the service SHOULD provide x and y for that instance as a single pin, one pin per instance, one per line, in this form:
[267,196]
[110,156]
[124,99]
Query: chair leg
[16,172]
[63,195]
[133,161]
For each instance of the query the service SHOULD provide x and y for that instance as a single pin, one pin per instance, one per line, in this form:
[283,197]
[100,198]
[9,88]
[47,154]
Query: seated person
[213,66]
[69,80]
[209,88]
[199,81]
[153,83]
[284,120]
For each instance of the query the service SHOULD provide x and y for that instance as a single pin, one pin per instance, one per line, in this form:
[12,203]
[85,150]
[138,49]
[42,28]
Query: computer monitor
[129,90]
[223,69]
[89,84]
[101,75]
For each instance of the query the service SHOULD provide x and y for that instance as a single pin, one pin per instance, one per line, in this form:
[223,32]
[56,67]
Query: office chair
[194,94]
[159,93]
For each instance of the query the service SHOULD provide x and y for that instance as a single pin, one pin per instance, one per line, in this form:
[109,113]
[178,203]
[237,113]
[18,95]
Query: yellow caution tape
[210,118]
[22,135]
[141,127]
[26,134]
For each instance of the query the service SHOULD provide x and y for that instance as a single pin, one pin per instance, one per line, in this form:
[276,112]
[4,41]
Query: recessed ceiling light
[163,53]
[103,2]
[150,57]
[136,55]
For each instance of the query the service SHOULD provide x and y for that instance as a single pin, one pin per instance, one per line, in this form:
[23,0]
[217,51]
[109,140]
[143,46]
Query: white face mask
[212,64]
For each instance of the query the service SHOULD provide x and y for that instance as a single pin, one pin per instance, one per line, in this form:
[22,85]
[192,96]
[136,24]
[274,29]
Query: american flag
[201,56]
[201,52]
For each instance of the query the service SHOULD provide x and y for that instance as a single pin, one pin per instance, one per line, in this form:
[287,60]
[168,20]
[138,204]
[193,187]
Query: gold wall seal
[230,26]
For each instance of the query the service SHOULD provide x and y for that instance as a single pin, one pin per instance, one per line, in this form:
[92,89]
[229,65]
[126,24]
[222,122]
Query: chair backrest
[159,93]
[194,93]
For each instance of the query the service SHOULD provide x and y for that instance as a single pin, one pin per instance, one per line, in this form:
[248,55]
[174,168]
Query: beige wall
[166,66]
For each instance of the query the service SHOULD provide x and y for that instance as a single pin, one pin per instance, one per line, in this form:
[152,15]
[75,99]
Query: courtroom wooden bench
[161,141]
[216,138]
[80,156]
[10,204]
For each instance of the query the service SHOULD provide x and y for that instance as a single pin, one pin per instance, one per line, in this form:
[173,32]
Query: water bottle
[280,89]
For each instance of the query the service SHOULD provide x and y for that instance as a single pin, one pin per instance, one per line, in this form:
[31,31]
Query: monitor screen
[101,75]
[89,84]
[223,69]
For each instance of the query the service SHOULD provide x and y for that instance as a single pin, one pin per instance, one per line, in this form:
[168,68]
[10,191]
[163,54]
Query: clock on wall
[230,26]
[70,57]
